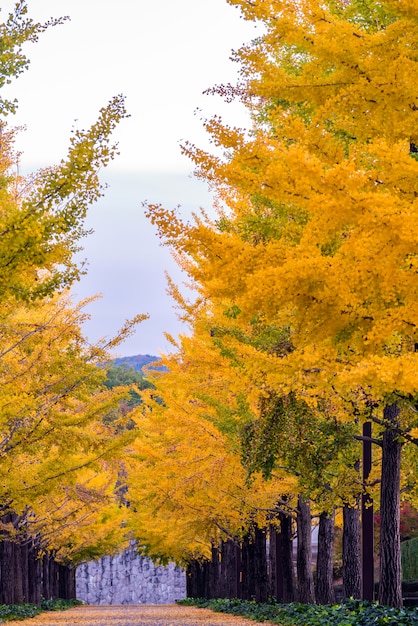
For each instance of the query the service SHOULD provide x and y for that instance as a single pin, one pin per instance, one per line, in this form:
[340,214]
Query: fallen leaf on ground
[137,615]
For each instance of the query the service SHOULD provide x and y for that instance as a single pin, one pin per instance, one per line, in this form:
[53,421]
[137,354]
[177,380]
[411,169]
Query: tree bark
[45,577]
[260,565]
[230,569]
[275,564]
[390,587]
[66,576]
[72,584]
[34,573]
[351,552]
[7,572]
[24,559]
[284,553]
[367,520]
[248,569]
[306,592]
[254,565]
[325,560]
[195,587]
[214,567]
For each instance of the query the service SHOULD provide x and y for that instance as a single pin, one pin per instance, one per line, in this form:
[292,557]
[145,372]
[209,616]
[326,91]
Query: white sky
[161,54]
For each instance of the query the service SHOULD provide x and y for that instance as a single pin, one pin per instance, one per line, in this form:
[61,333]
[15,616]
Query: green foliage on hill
[121,375]
[136,362]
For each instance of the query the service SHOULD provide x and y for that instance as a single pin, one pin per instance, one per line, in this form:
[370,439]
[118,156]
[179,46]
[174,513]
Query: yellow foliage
[60,466]
[187,486]
[316,233]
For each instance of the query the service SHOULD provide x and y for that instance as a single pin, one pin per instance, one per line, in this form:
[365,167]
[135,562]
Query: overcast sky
[161,54]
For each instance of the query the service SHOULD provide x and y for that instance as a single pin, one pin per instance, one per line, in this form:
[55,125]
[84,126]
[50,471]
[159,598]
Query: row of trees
[28,573]
[60,461]
[303,327]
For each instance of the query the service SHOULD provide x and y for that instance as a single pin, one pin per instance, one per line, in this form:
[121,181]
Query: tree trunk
[71,583]
[54,578]
[281,559]
[287,558]
[8,572]
[325,560]
[248,568]
[214,567]
[205,567]
[390,588]
[195,584]
[66,582]
[260,565]
[45,577]
[34,573]
[275,570]
[351,552]
[230,569]
[24,553]
[367,520]
[191,579]
[17,573]
[306,593]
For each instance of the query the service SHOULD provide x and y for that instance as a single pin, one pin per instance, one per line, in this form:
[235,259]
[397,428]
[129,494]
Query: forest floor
[137,615]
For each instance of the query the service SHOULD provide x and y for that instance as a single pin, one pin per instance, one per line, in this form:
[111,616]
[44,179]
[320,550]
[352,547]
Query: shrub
[351,613]
[410,559]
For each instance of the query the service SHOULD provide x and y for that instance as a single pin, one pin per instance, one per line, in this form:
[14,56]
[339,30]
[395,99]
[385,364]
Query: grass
[351,613]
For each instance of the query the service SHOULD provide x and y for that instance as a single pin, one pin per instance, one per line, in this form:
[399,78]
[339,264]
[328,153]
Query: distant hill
[137,362]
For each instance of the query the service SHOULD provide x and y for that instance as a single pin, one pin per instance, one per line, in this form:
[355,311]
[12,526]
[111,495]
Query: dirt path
[137,615]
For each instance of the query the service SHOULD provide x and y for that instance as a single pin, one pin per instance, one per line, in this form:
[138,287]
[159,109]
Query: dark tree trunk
[34,573]
[72,584]
[66,579]
[54,578]
[260,569]
[24,551]
[287,558]
[351,552]
[367,520]
[281,559]
[45,577]
[230,569]
[214,567]
[7,572]
[248,568]
[325,560]
[26,578]
[304,553]
[190,580]
[275,569]
[195,580]
[17,573]
[7,564]
[223,566]
[390,588]
[51,570]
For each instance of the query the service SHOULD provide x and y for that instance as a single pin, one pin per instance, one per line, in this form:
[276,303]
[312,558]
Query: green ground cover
[351,613]
[10,612]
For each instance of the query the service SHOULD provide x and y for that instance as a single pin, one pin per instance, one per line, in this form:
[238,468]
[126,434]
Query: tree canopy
[60,463]
[306,279]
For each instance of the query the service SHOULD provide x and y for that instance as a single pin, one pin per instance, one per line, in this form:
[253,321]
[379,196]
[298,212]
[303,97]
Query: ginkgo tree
[60,464]
[317,227]
[187,486]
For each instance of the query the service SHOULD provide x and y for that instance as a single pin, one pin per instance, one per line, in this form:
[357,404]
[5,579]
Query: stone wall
[128,578]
